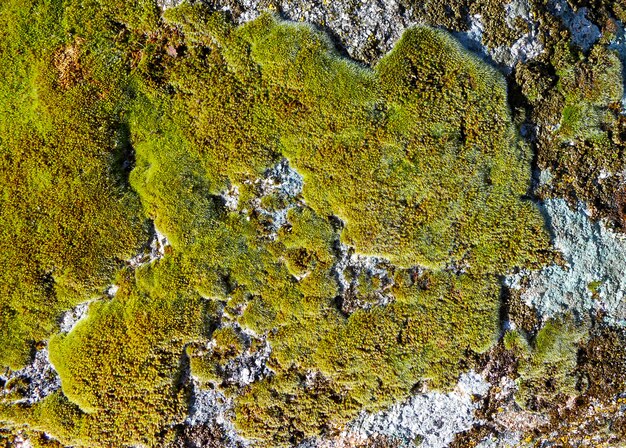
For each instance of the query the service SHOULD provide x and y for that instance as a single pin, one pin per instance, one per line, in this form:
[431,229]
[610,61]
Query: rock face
[361,26]
[352,269]
[591,279]
[72,317]
[432,418]
[559,58]
[525,47]
[210,408]
[584,32]
[33,383]
[283,183]
[166,4]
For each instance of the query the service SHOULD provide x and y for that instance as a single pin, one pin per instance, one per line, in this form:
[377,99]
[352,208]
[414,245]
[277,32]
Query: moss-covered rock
[415,161]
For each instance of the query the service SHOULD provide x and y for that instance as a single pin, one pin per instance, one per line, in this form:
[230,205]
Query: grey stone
[286,183]
[40,377]
[367,29]
[212,407]
[595,260]
[584,32]
[356,265]
[527,46]
[155,250]
[72,317]
[434,417]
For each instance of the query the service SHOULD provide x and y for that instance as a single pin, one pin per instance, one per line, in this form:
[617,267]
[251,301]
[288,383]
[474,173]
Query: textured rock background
[559,58]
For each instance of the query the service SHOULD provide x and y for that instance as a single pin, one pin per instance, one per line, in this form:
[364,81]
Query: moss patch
[415,161]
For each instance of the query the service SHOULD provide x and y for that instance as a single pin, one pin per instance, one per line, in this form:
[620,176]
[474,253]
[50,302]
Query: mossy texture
[547,367]
[415,161]
[68,215]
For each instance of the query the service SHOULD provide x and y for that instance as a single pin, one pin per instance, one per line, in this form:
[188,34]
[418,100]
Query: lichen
[589,280]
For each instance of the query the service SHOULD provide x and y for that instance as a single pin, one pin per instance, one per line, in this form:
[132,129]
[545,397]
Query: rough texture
[590,279]
[361,26]
[33,383]
[584,32]
[432,418]
[209,407]
[204,130]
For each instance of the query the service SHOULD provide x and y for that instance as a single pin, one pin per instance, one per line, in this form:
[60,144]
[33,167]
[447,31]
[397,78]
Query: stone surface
[155,250]
[39,379]
[249,366]
[284,183]
[211,407]
[364,28]
[79,312]
[584,32]
[527,46]
[592,279]
[351,269]
[434,418]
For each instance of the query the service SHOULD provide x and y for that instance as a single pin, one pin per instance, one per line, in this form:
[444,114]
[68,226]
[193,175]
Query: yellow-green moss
[415,160]
[68,215]
[547,367]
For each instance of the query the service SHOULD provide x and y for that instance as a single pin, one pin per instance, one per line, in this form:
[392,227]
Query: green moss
[121,367]
[576,101]
[415,160]
[62,141]
[547,369]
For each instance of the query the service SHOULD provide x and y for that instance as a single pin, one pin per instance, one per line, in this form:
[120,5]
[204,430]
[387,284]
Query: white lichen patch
[282,179]
[360,24]
[284,185]
[527,46]
[72,317]
[158,245]
[231,198]
[211,407]
[21,441]
[167,4]
[435,418]
[154,251]
[112,290]
[37,380]
[249,366]
[593,278]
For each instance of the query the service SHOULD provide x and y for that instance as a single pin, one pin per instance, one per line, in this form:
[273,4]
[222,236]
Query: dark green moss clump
[414,162]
